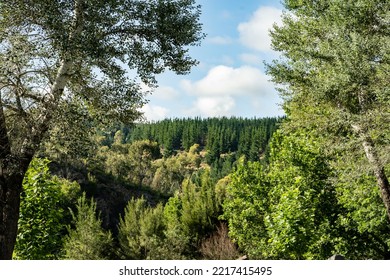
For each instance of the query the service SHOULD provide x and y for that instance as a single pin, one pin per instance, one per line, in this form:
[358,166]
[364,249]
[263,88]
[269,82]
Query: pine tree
[87,240]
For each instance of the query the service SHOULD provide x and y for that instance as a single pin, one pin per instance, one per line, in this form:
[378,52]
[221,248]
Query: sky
[230,78]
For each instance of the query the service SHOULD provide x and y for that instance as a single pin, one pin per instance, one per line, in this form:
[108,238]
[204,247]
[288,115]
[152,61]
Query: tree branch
[63,75]
[377,166]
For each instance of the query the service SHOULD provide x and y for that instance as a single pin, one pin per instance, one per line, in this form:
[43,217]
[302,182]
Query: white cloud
[250,58]
[215,106]
[166,93]
[154,113]
[225,89]
[228,81]
[219,40]
[255,33]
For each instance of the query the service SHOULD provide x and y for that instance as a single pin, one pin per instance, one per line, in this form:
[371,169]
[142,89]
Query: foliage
[55,53]
[140,158]
[246,206]
[87,240]
[217,135]
[87,35]
[170,172]
[41,225]
[302,219]
[333,75]
[141,231]
[219,246]
[192,214]
[173,231]
[177,242]
[199,210]
[70,141]
[131,162]
[296,209]
[364,218]
[130,153]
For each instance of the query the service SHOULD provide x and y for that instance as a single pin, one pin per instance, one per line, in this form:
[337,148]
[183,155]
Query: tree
[303,207]
[141,154]
[87,241]
[189,217]
[171,171]
[199,207]
[131,162]
[55,51]
[141,231]
[297,208]
[41,217]
[246,206]
[334,74]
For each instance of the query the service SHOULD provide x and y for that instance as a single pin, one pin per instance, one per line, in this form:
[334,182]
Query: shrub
[219,246]
[87,241]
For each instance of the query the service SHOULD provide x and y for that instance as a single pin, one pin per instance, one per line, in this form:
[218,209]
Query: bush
[141,231]
[87,241]
[43,215]
[219,246]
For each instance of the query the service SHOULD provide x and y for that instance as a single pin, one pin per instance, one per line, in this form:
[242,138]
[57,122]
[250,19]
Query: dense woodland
[131,197]
[167,185]
[81,179]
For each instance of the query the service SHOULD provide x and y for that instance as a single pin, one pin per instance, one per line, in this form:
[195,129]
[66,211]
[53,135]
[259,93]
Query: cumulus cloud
[224,89]
[213,106]
[255,33]
[166,93]
[250,58]
[228,81]
[154,113]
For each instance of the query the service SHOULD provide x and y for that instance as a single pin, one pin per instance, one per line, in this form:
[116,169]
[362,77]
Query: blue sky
[230,78]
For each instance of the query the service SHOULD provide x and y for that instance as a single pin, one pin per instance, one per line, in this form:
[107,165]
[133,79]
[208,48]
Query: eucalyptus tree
[334,74]
[80,51]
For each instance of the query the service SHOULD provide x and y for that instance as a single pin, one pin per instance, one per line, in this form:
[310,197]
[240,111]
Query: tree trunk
[10,190]
[12,170]
[379,171]
[377,166]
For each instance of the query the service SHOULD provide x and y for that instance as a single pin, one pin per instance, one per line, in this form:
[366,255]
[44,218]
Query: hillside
[152,160]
